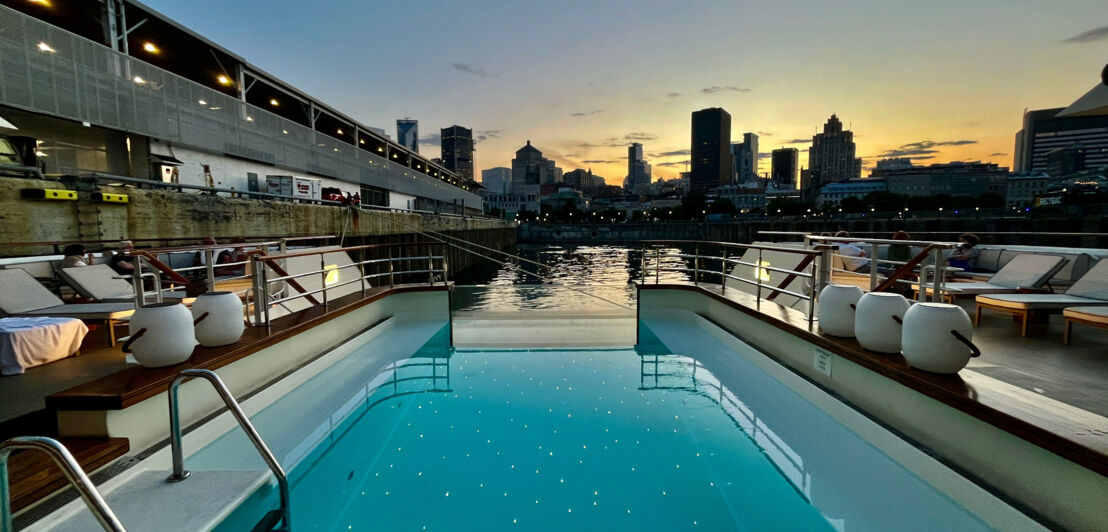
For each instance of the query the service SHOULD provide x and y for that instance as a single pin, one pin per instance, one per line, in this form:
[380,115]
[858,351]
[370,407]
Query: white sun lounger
[1024,271]
[101,283]
[21,295]
[1091,290]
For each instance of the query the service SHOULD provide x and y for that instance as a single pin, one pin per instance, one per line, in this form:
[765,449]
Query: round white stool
[938,338]
[161,335]
[218,318]
[877,322]
[836,309]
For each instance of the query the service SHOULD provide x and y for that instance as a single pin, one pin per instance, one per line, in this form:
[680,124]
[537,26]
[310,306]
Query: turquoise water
[406,433]
[547,440]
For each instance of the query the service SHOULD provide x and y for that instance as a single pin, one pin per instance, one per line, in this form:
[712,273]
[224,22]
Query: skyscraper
[530,168]
[638,170]
[832,156]
[1044,132]
[744,155]
[711,143]
[407,133]
[457,150]
[496,180]
[785,163]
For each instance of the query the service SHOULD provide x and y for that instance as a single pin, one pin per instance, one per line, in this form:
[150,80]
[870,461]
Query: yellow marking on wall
[761,273]
[332,274]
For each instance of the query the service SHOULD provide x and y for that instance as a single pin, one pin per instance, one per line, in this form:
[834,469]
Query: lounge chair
[100,282]
[1091,316]
[22,296]
[1024,272]
[1091,290]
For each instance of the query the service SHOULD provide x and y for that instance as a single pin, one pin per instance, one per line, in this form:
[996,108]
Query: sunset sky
[940,80]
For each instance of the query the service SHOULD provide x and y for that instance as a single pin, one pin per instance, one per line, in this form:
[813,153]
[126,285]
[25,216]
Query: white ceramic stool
[938,337]
[836,309]
[218,318]
[161,335]
[877,322]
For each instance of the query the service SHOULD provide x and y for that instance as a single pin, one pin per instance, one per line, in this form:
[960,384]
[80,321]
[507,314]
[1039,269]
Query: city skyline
[938,82]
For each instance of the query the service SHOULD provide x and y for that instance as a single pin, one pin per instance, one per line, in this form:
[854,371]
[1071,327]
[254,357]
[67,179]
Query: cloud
[474,70]
[764,133]
[797,141]
[1093,35]
[729,88]
[674,153]
[673,164]
[587,113]
[765,155]
[639,136]
[434,139]
[997,154]
[599,161]
[673,95]
[915,153]
[487,134]
[928,144]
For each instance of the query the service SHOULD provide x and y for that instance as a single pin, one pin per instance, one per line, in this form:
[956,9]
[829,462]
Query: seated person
[965,255]
[900,252]
[854,259]
[231,256]
[120,262]
[74,256]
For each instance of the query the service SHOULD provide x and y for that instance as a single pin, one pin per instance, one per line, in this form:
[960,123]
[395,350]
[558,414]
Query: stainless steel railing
[423,262]
[814,266]
[932,250]
[73,473]
[179,473]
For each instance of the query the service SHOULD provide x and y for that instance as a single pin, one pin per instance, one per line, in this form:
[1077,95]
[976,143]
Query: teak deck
[135,384]
[1054,431]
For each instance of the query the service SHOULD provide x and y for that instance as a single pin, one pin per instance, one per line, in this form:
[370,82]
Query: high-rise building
[744,156]
[832,157]
[585,181]
[496,180]
[1044,132]
[407,133]
[711,143]
[784,165]
[531,168]
[638,170]
[457,150]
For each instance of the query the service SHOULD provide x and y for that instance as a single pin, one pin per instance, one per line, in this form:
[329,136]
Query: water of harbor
[588,279]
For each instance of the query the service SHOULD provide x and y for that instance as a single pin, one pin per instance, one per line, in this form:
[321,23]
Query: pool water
[562,439]
[548,440]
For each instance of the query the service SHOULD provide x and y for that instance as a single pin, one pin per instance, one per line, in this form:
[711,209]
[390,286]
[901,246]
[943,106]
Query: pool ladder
[179,472]
[73,473]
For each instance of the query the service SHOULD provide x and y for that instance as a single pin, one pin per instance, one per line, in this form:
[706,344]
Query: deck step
[34,475]
[147,502]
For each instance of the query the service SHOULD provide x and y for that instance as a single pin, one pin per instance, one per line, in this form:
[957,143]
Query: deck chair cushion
[1037,301]
[19,293]
[1027,271]
[98,282]
[1094,284]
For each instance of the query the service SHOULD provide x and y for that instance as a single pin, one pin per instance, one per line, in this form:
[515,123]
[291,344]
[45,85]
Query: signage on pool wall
[822,361]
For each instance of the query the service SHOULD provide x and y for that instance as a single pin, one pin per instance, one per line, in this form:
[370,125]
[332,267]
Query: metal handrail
[818,271]
[179,472]
[73,473]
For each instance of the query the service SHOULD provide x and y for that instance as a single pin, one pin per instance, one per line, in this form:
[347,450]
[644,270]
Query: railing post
[323,277]
[136,283]
[445,276]
[812,294]
[391,270]
[657,265]
[758,281]
[723,272]
[642,261]
[430,267]
[255,280]
[937,286]
[209,255]
[825,252]
[696,265]
[265,295]
[361,269]
[873,267]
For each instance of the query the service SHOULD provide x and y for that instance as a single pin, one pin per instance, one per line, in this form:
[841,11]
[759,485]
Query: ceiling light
[274,102]
[149,47]
[45,48]
[249,119]
[285,131]
[223,80]
[339,131]
[139,80]
[361,141]
[216,108]
[202,102]
[45,3]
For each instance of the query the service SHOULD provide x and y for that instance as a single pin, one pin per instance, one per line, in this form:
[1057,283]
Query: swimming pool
[484,439]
